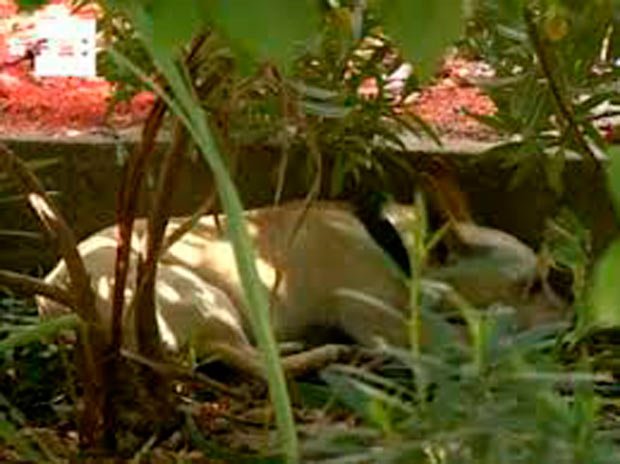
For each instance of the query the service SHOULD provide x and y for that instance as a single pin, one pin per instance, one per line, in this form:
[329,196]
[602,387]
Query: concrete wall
[85,175]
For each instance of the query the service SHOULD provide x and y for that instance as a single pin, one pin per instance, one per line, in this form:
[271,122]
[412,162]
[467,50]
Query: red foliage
[60,104]
[57,104]
[445,103]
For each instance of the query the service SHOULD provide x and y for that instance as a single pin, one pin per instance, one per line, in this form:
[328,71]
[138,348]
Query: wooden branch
[315,359]
[127,201]
[30,286]
[181,373]
[91,340]
[145,324]
[54,223]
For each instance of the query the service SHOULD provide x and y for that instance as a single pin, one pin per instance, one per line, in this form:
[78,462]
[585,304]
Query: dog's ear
[369,208]
[439,178]
[448,204]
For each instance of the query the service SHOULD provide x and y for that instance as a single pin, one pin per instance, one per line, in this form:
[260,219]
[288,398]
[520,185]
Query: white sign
[67,47]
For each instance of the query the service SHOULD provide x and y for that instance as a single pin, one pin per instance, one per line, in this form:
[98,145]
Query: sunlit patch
[58,274]
[214,303]
[138,243]
[266,272]
[103,288]
[209,300]
[207,221]
[95,243]
[253,230]
[185,274]
[185,253]
[167,291]
[344,224]
[193,239]
[166,334]
[39,204]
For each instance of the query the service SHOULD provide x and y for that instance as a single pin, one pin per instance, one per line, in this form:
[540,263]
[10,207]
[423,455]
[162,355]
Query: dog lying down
[333,276]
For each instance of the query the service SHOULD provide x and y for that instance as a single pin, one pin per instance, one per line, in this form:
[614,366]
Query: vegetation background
[233,74]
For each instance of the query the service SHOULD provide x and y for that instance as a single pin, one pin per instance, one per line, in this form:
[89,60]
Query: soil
[70,106]
[63,106]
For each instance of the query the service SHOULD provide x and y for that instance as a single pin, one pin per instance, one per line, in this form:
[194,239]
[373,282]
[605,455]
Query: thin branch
[189,223]
[145,323]
[91,339]
[180,373]
[30,286]
[127,201]
[54,223]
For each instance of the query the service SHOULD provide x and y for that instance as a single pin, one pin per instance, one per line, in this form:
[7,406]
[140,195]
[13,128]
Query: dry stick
[54,223]
[26,285]
[565,108]
[181,373]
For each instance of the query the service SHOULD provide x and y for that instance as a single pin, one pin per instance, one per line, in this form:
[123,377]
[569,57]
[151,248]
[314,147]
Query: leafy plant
[604,308]
[554,74]
[509,411]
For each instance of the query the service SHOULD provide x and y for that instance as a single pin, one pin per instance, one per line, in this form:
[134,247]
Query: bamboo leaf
[269,29]
[422,28]
[604,308]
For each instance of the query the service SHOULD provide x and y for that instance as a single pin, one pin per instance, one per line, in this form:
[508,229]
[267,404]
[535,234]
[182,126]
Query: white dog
[330,274]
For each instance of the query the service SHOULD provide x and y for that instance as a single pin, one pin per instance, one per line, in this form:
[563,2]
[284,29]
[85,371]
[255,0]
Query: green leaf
[30,5]
[267,29]
[174,21]
[43,330]
[593,134]
[554,169]
[187,108]
[613,176]
[10,435]
[605,293]
[325,110]
[568,240]
[592,102]
[422,28]
[512,33]
[604,309]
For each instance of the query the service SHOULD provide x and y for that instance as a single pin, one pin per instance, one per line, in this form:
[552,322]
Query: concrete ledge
[85,173]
